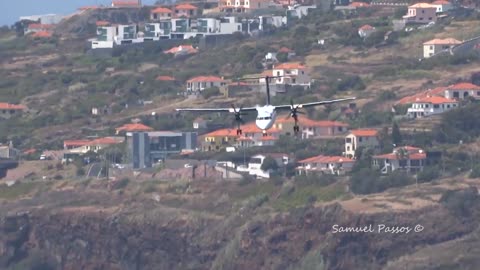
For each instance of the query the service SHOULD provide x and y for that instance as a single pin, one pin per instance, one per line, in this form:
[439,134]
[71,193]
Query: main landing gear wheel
[239,132]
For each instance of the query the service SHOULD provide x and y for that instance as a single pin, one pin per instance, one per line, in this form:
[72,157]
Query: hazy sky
[10,10]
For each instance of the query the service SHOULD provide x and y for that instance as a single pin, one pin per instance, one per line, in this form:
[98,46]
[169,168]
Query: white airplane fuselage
[265,117]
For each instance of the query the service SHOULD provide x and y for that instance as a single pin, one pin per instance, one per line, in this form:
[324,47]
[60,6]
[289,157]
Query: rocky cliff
[148,235]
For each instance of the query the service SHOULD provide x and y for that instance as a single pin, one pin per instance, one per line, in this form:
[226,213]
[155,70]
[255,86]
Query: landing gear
[264,133]
[296,129]
[239,132]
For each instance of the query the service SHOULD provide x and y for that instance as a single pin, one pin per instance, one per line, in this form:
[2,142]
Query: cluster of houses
[183,21]
[439,100]
[290,73]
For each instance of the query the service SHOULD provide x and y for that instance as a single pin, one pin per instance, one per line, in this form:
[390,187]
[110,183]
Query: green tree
[269,163]
[282,57]
[210,92]
[396,135]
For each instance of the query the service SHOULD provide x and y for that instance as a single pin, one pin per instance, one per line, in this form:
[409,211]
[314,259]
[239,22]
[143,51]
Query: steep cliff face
[148,236]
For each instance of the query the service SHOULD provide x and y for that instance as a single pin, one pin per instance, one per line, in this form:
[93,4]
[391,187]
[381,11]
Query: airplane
[266,114]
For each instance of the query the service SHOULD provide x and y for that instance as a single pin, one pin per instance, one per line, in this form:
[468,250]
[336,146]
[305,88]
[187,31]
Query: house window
[456,94]
[478,93]
[348,140]
[429,18]
[415,162]
[278,73]
[423,11]
[431,47]
[402,163]
[436,106]
[360,139]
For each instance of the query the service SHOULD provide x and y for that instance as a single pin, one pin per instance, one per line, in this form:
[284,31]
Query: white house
[105,37]
[236,6]
[84,146]
[462,91]
[442,6]
[292,74]
[407,158]
[255,165]
[431,105]
[197,84]
[434,46]
[325,164]
[366,30]
[366,138]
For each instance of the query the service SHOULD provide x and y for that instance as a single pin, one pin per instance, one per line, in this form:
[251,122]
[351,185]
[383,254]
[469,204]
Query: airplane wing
[311,104]
[216,109]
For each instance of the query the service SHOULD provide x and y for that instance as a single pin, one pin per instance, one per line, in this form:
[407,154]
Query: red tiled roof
[8,106]
[422,5]
[446,41]
[206,79]
[463,86]
[165,78]
[132,3]
[268,138]
[134,127]
[438,91]
[247,128]
[42,34]
[359,4]
[366,27]
[161,10]
[327,159]
[284,50]
[268,73]
[304,121]
[102,23]
[76,143]
[105,140]
[185,6]
[440,2]
[252,128]
[435,100]
[364,132]
[244,139]
[225,132]
[289,66]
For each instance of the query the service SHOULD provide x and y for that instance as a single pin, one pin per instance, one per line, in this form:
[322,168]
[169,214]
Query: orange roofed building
[161,13]
[126,3]
[186,10]
[291,74]
[435,46]
[8,110]
[462,91]
[227,137]
[135,127]
[85,146]
[430,105]
[310,128]
[326,165]
[361,138]
[407,158]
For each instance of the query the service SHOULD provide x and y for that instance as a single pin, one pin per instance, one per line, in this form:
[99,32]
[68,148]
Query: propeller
[294,111]
[238,115]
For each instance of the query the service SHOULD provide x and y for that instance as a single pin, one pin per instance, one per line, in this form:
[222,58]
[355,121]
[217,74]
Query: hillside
[207,225]
[54,214]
